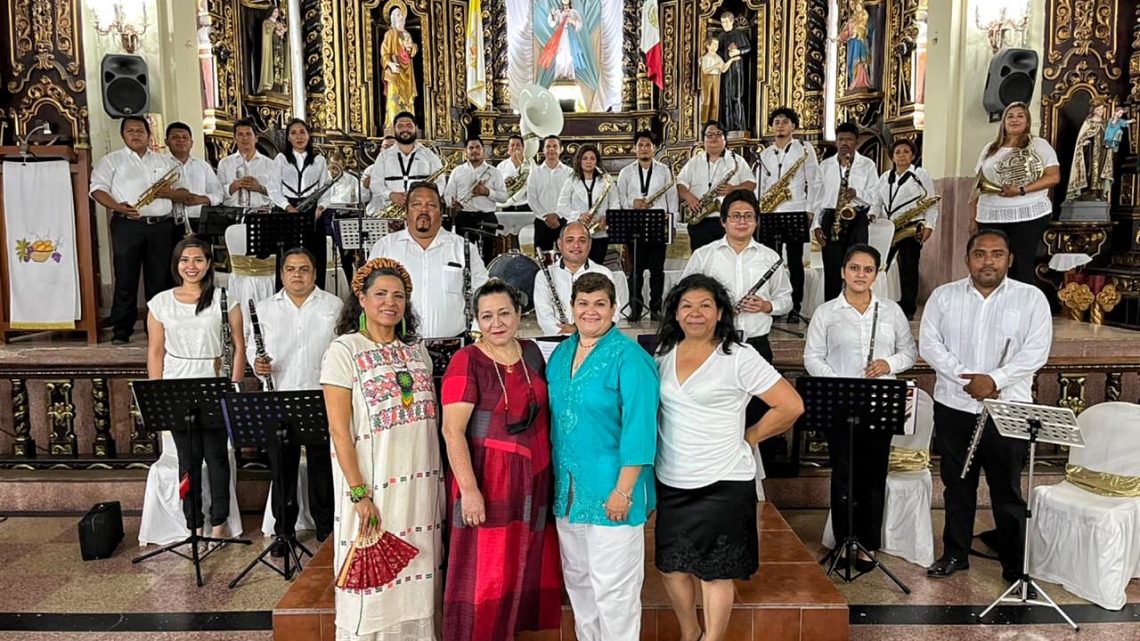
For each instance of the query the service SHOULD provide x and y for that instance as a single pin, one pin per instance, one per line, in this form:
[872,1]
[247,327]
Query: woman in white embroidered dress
[381,404]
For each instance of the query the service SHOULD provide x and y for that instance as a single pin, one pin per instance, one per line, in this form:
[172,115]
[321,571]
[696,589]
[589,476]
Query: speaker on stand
[125,84]
[1011,78]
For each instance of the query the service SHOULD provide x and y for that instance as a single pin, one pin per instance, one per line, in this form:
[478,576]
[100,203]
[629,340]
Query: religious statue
[712,66]
[274,74]
[857,35]
[1090,175]
[734,40]
[569,52]
[396,53]
[1114,132]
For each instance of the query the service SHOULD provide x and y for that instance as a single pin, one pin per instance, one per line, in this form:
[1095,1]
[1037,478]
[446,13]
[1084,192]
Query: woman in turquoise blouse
[603,402]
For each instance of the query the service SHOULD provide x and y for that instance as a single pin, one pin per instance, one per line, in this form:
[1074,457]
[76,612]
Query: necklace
[498,375]
[404,379]
[496,356]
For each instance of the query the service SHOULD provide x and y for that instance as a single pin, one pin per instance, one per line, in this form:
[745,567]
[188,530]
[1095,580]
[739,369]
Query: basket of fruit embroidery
[37,251]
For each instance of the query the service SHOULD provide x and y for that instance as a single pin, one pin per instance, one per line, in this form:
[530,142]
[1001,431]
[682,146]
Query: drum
[518,270]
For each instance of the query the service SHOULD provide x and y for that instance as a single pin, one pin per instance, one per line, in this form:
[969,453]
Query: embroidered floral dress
[397,451]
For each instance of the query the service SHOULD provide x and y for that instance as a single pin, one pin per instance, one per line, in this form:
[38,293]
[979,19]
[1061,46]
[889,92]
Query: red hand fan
[184,486]
[374,561]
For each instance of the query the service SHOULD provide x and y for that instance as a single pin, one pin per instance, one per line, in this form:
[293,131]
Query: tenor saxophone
[151,194]
[905,224]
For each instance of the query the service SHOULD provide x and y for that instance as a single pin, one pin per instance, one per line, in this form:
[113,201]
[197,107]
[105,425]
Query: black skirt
[709,532]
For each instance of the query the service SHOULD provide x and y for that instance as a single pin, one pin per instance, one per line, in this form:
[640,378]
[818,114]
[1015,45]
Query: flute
[980,426]
[259,344]
[874,329]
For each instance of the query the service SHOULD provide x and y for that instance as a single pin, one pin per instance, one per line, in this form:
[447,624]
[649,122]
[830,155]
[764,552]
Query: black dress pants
[138,246]
[599,246]
[907,253]
[795,251]
[869,459]
[314,241]
[834,251]
[193,449]
[1002,459]
[1025,238]
[545,237]
[285,506]
[707,231]
[650,256]
[485,240]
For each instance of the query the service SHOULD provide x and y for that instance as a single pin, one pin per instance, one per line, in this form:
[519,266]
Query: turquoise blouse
[602,419]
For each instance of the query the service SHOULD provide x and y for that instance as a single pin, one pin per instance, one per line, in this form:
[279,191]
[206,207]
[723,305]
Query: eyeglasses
[742,218]
[712,135]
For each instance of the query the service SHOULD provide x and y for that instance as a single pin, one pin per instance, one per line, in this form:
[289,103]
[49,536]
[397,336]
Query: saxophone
[259,343]
[553,291]
[906,226]
[225,364]
[595,224]
[708,205]
[151,194]
[655,196]
[844,211]
[310,202]
[780,192]
[394,211]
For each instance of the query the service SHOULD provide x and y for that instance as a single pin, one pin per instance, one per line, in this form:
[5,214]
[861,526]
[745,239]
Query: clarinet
[874,330]
[468,310]
[980,426]
[259,344]
[553,292]
[759,283]
[226,364]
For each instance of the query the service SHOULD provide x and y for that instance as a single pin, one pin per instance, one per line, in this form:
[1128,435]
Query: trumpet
[151,194]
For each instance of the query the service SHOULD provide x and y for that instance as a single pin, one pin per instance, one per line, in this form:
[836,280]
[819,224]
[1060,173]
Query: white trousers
[603,569]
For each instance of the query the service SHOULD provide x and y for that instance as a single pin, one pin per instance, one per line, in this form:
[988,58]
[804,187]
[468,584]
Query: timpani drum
[518,270]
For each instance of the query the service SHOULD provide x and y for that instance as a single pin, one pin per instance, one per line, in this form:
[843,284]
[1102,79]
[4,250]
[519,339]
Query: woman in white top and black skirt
[706,493]
[303,172]
[1023,167]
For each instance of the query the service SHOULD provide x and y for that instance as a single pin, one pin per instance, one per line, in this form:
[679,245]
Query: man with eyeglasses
[739,262]
[716,168]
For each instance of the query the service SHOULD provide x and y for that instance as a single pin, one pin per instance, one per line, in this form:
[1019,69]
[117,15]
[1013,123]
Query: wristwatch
[358,493]
[1022,190]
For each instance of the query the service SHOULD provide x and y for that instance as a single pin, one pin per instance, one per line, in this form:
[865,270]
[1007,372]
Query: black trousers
[707,231]
[869,459]
[598,249]
[907,253]
[285,507]
[545,237]
[470,221]
[138,246]
[193,449]
[795,265]
[650,256]
[1002,459]
[1025,239]
[314,241]
[834,251]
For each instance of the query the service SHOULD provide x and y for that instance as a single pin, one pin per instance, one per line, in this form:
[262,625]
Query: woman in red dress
[503,572]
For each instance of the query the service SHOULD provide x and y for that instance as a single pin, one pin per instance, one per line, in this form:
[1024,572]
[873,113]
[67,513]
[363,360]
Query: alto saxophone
[844,211]
[151,194]
[707,205]
[655,196]
[780,192]
[558,308]
[595,224]
[259,343]
[906,226]
[225,366]
[395,211]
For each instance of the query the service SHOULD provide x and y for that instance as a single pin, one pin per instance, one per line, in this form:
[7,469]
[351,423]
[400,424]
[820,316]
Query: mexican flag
[651,42]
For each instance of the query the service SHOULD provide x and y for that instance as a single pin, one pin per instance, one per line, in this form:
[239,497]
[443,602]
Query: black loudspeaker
[1013,73]
[101,531]
[126,88]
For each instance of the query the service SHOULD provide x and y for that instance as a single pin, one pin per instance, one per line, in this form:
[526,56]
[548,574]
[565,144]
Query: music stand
[1036,424]
[635,226]
[835,405]
[270,234]
[184,405]
[781,227]
[272,421]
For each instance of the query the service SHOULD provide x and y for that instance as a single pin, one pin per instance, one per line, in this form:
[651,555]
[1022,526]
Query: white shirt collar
[844,303]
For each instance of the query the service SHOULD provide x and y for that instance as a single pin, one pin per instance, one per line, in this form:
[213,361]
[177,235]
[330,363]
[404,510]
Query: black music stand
[781,227]
[837,405]
[359,233]
[1036,424]
[184,405]
[635,226]
[271,421]
[214,220]
[441,350]
[272,234]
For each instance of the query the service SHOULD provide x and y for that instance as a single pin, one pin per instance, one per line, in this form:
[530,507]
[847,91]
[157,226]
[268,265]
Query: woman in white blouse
[1021,209]
[590,189]
[303,172]
[706,493]
[859,335]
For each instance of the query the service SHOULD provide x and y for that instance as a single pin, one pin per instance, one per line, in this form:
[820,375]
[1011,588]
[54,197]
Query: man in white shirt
[643,184]
[716,165]
[552,297]
[197,175]
[514,174]
[542,191]
[250,179]
[297,325]
[862,176]
[346,193]
[142,237]
[985,336]
[473,191]
[434,258]
[397,167]
[775,162]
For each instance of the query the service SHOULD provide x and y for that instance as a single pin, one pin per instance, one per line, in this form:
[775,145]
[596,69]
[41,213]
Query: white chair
[908,531]
[304,518]
[242,285]
[162,519]
[1090,543]
[879,235]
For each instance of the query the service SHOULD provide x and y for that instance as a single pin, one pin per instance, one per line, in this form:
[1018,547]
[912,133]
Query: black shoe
[120,340]
[793,317]
[321,536]
[634,318]
[864,565]
[655,316]
[280,548]
[947,566]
